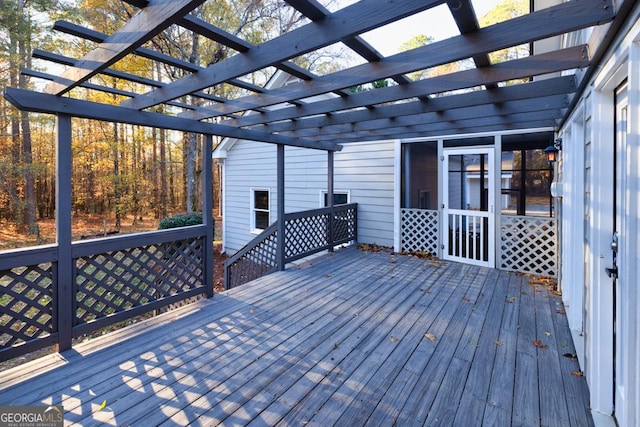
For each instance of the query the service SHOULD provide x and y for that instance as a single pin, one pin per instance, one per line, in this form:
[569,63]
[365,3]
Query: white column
[599,330]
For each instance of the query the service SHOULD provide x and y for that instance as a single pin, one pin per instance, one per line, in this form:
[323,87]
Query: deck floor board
[351,338]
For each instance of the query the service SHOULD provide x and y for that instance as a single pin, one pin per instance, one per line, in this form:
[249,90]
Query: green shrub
[180,220]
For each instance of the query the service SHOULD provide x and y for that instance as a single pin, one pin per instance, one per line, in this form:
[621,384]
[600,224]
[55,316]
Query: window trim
[324,193]
[253,229]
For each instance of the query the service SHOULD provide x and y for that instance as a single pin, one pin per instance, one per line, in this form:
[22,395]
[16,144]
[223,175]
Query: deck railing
[112,280]
[529,244]
[306,233]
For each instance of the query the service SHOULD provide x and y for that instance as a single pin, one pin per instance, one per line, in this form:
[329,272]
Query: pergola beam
[316,12]
[454,123]
[142,27]
[548,103]
[575,57]
[495,125]
[98,37]
[535,26]
[345,23]
[45,103]
[548,87]
[465,17]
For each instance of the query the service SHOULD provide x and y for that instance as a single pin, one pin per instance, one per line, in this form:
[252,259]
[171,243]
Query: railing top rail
[252,244]
[530,217]
[28,256]
[108,244]
[319,211]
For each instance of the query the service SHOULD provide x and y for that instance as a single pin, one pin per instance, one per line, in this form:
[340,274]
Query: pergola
[289,116]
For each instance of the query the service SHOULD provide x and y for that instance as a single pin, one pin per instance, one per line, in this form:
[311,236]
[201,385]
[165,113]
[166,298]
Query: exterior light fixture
[552,151]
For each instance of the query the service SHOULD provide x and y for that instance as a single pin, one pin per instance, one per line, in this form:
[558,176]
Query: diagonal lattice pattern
[306,234]
[116,281]
[26,304]
[420,231]
[344,225]
[529,245]
[255,263]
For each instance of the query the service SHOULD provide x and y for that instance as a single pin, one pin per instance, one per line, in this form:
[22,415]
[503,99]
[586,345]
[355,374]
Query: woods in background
[121,173]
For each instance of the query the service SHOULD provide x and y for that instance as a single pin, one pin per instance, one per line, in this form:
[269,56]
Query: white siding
[365,170]
[588,184]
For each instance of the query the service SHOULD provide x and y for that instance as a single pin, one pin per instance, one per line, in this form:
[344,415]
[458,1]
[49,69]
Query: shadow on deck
[349,339]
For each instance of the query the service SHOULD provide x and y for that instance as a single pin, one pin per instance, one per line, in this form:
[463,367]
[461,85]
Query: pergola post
[330,197]
[207,212]
[64,300]
[280,251]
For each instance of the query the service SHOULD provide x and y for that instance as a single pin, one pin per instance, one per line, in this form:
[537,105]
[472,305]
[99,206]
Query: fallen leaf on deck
[336,345]
[496,342]
[465,299]
[430,337]
[473,343]
[327,275]
[539,344]
[102,406]
[560,311]
[577,374]
[548,334]
[395,339]
[571,356]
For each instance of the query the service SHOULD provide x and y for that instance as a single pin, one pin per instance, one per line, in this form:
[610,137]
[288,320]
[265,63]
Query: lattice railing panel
[306,234]
[529,245]
[256,262]
[420,231]
[344,224]
[26,304]
[116,281]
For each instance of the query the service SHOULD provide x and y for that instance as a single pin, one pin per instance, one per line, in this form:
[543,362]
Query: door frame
[620,286]
[490,213]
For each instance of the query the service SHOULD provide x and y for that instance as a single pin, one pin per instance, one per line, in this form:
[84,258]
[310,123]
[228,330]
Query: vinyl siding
[365,170]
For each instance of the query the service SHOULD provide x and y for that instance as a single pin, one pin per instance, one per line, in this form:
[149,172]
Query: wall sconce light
[552,151]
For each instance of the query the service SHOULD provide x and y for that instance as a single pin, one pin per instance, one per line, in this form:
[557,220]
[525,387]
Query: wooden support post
[65,280]
[207,212]
[330,199]
[280,252]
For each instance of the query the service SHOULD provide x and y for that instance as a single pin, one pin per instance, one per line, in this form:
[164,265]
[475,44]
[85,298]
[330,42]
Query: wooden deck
[350,339]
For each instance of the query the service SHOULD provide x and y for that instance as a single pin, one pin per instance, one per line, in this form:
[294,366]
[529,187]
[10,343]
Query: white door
[621,291]
[468,211]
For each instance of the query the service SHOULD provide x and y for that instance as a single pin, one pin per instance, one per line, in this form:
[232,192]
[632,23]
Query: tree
[504,11]
[423,40]
[19,32]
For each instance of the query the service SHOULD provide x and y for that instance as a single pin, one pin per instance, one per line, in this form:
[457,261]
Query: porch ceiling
[319,111]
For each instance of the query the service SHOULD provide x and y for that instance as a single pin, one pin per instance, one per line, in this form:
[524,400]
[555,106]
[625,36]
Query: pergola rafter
[345,23]
[499,96]
[142,27]
[534,26]
[319,111]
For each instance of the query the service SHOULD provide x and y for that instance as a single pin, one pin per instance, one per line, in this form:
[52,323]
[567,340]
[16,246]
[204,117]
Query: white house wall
[364,170]
[587,225]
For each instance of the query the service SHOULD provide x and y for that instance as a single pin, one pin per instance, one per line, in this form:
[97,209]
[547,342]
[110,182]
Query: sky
[436,22]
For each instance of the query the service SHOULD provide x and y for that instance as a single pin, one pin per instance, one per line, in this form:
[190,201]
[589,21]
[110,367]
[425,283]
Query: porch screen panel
[419,198]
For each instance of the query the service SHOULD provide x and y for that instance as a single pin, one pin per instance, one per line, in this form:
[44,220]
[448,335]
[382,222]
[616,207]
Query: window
[339,198]
[260,218]
[526,182]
